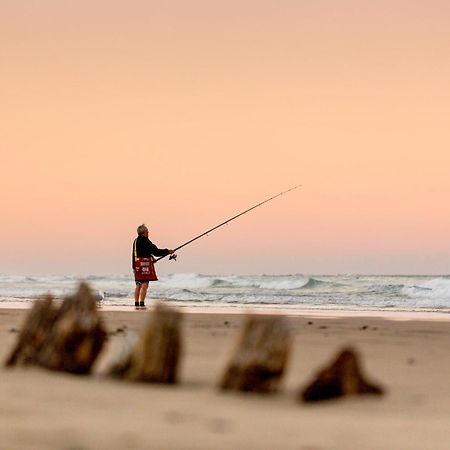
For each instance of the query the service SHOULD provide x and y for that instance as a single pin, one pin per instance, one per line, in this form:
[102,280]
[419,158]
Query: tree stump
[342,377]
[68,338]
[155,356]
[260,356]
[33,334]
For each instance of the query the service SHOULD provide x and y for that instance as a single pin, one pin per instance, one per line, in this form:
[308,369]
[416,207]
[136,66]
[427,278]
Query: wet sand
[410,358]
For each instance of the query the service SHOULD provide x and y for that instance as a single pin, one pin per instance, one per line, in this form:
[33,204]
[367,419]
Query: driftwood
[260,356]
[342,377]
[155,355]
[68,338]
[34,333]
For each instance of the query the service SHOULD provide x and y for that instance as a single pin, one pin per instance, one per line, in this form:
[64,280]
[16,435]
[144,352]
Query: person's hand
[171,252]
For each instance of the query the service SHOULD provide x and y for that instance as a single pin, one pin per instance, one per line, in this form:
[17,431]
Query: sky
[181,114]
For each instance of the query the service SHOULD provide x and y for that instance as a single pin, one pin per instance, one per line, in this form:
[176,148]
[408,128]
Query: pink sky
[180,115]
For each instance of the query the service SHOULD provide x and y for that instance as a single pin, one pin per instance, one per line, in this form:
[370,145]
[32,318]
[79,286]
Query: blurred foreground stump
[155,355]
[34,333]
[68,338]
[260,356]
[342,377]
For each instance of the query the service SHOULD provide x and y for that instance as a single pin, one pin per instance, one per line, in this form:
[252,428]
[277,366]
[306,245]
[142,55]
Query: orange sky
[180,115]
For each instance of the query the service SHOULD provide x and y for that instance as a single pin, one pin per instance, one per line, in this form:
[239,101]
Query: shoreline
[293,311]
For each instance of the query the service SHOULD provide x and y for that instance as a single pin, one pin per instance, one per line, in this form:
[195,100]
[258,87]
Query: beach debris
[259,359]
[34,333]
[343,377]
[364,327]
[67,338]
[154,356]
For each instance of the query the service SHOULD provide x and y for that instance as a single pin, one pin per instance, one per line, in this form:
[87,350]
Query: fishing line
[174,256]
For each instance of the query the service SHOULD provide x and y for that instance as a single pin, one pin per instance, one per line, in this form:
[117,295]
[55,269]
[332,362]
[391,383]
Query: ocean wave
[114,294]
[434,292]
[386,289]
[313,283]
[384,292]
[186,281]
[198,281]
[286,283]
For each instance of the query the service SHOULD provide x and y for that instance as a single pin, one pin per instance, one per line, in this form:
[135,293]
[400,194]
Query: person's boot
[142,305]
[136,305]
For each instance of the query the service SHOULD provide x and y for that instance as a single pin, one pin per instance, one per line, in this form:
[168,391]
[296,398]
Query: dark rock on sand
[343,377]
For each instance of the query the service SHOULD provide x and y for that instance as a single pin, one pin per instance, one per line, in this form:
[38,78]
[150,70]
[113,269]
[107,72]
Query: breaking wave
[269,282]
[434,293]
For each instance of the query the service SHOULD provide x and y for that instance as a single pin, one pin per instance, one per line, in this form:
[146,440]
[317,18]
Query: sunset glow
[182,114]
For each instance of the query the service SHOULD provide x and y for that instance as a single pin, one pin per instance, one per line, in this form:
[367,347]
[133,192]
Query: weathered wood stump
[342,377]
[34,333]
[156,354]
[68,338]
[260,356]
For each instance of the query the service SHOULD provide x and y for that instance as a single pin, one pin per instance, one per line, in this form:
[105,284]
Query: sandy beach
[410,358]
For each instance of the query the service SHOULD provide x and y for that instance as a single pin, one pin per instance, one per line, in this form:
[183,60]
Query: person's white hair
[141,229]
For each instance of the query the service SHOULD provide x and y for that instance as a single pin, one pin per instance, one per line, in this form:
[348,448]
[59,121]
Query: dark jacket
[145,249]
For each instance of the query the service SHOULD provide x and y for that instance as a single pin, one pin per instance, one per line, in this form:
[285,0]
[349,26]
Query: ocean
[296,291]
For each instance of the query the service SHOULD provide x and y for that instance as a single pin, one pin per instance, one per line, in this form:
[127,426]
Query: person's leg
[137,292]
[143,293]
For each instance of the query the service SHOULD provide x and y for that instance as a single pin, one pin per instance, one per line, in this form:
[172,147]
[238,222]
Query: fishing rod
[174,256]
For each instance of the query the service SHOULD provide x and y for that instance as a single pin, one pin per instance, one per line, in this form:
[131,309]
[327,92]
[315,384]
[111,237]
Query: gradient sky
[182,113]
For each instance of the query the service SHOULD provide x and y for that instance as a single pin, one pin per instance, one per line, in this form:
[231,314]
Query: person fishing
[143,264]
[144,250]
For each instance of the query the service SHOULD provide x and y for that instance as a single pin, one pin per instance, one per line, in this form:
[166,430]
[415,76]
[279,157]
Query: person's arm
[155,251]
